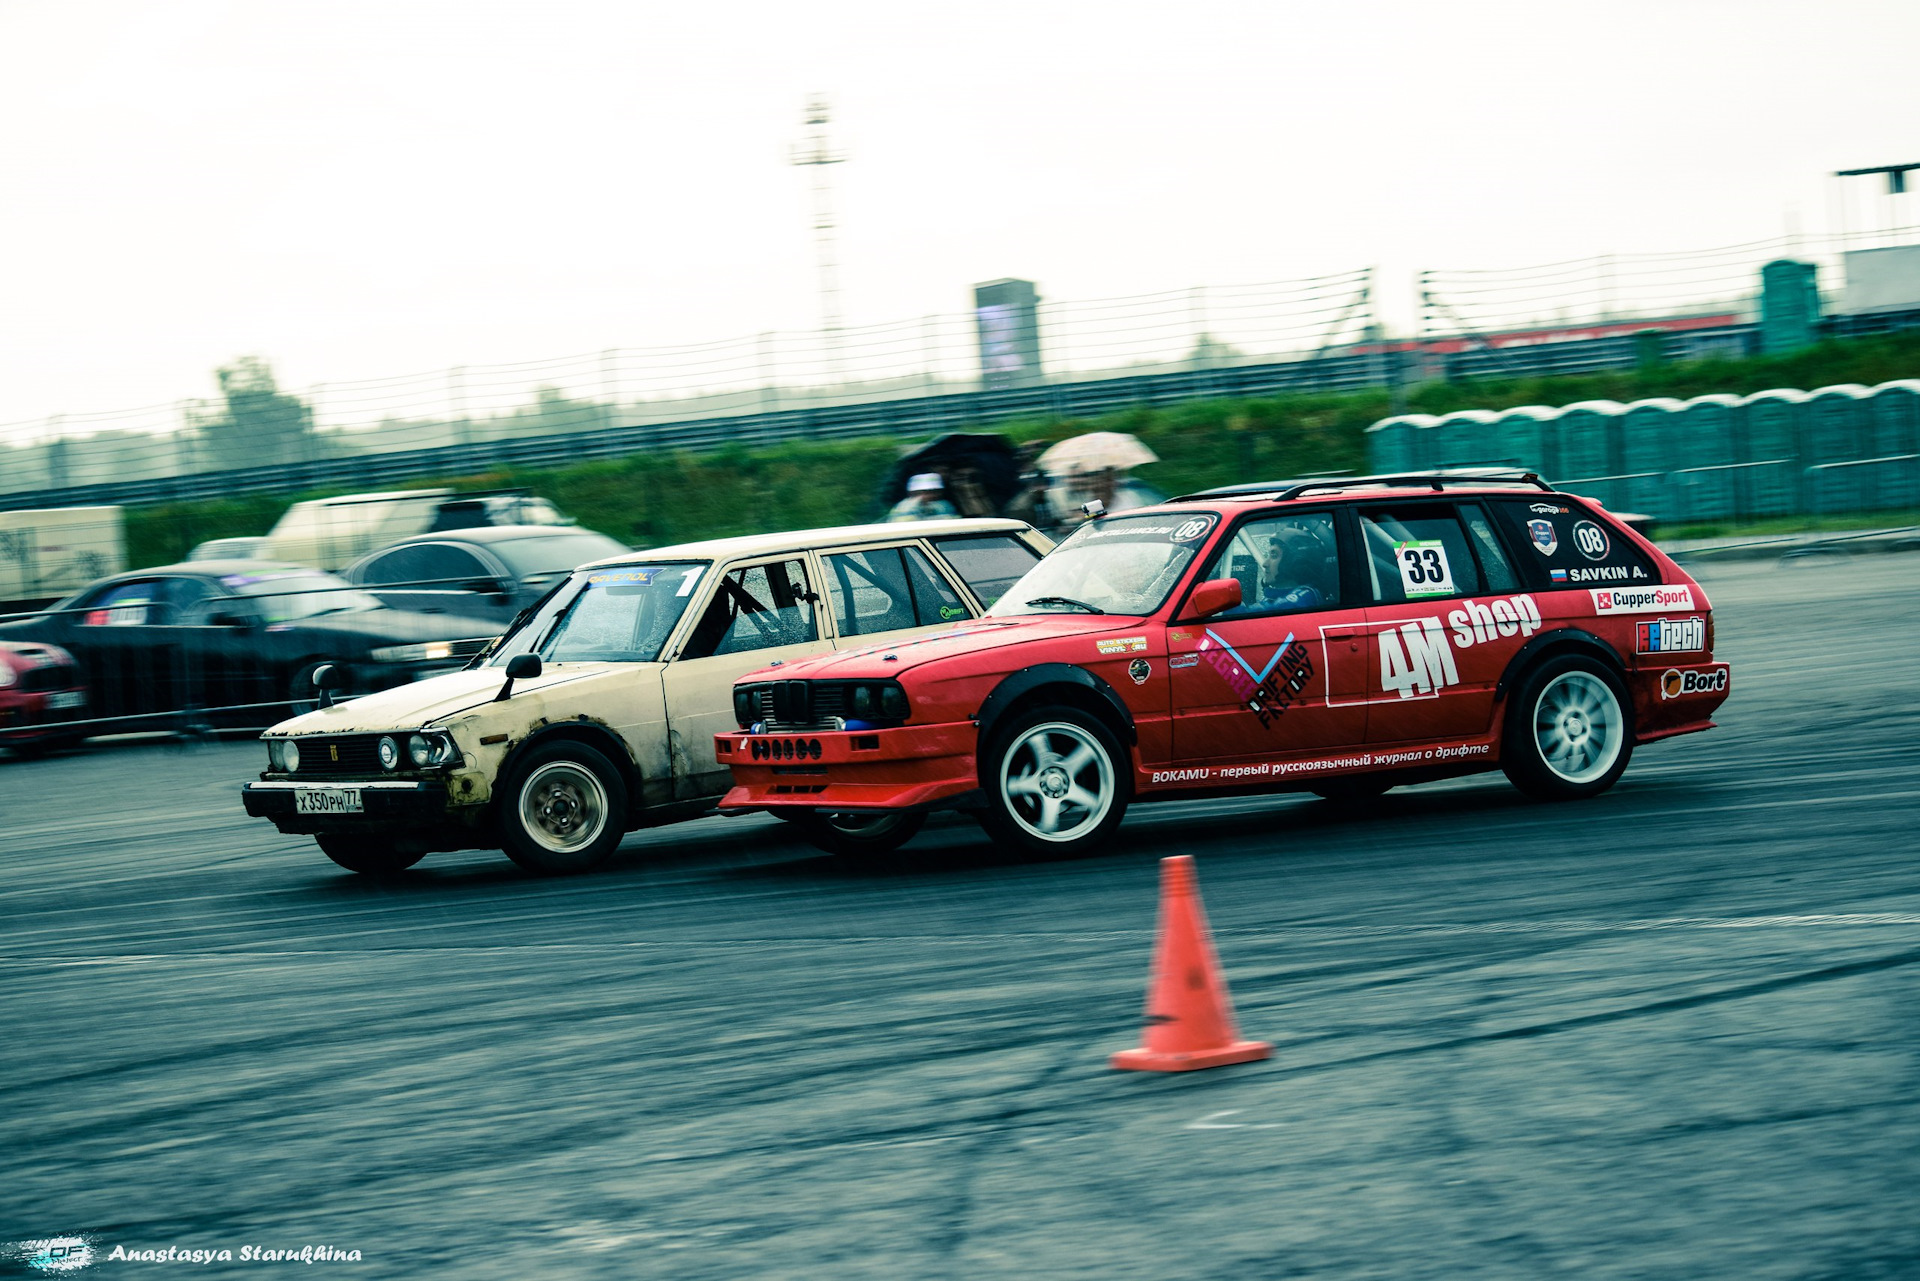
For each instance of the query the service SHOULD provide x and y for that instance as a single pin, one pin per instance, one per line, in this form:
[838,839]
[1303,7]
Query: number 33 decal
[1424,570]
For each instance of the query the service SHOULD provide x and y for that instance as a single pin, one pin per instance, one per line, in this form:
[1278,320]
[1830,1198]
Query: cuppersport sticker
[1641,600]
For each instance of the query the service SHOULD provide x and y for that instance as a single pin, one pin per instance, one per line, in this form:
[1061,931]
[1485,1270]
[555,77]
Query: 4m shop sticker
[1416,658]
[1641,600]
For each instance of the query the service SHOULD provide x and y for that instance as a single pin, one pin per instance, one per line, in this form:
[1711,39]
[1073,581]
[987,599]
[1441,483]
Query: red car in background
[41,694]
[1334,636]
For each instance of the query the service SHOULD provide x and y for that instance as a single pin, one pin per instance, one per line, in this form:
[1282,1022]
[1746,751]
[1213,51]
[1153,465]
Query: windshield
[622,614]
[292,595]
[1116,565]
[534,557]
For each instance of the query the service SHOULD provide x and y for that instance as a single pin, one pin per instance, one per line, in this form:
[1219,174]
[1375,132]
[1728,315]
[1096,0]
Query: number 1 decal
[1423,569]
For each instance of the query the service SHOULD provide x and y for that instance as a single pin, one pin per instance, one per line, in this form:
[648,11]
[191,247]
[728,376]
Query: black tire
[1354,792]
[1569,729]
[858,835]
[563,809]
[1045,817]
[368,855]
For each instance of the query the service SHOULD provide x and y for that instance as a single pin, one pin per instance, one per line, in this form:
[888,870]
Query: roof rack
[1471,477]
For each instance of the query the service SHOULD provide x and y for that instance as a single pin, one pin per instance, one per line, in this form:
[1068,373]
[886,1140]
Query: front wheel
[858,835]
[1057,782]
[368,855]
[564,809]
[1569,730]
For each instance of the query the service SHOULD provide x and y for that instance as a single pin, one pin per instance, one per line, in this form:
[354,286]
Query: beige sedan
[595,713]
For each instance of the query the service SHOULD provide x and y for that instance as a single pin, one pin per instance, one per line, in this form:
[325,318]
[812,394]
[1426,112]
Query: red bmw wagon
[1334,636]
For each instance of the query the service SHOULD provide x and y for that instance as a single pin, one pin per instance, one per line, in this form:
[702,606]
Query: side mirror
[1214,595]
[327,678]
[521,667]
[227,619]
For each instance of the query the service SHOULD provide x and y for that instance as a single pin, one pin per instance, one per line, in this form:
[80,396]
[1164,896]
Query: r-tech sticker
[1545,540]
[1697,680]
[1671,636]
[1641,600]
[1591,540]
[1424,570]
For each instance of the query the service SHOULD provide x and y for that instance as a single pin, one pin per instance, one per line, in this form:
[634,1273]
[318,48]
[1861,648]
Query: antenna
[817,153]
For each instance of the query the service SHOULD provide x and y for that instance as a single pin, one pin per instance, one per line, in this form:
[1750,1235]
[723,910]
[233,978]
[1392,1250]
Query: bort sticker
[1671,636]
[1123,645]
[1545,540]
[1423,569]
[1139,669]
[1678,684]
[1641,600]
[1190,530]
[1591,540]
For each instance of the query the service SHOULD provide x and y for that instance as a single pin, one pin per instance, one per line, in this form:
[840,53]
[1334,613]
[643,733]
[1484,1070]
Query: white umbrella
[1095,451]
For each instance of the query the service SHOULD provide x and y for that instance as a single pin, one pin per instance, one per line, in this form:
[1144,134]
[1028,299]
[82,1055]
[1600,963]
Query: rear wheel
[368,855]
[564,809]
[1569,730]
[1057,782]
[855,834]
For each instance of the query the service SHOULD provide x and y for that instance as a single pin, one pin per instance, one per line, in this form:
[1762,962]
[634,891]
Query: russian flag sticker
[1559,575]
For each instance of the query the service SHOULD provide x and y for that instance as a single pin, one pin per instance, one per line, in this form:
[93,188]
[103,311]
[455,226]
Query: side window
[759,607]
[870,592]
[390,569]
[934,601]
[1493,559]
[450,568]
[1285,564]
[1566,545]
[127,605]
[1418,553]
[989,565]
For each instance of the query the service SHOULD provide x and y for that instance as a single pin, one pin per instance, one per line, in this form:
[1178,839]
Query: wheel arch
[1059,683]
[1561,640]
[591,733]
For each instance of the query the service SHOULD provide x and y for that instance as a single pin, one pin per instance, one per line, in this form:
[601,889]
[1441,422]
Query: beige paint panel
[699,695]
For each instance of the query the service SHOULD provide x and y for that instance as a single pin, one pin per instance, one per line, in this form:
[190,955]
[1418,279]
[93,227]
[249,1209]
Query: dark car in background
[238,642]
[488,574]
[41,694]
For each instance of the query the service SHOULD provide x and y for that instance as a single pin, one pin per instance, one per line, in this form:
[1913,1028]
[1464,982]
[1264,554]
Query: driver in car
[1285,567]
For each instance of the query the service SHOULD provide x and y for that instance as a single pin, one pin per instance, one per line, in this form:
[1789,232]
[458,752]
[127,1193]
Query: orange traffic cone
[1189,1014]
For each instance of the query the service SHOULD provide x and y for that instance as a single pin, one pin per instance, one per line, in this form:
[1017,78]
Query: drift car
[41,694]
[1340,637]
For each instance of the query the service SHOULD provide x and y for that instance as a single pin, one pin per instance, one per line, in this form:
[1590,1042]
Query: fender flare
[1572,638]
[1018,684]
[595,734]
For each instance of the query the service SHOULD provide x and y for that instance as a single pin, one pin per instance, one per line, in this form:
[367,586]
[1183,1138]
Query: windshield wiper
[1069,602]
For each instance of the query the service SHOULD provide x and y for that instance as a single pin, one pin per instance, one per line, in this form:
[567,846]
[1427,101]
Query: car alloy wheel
[1058,781]
[1578,727]
[563,807]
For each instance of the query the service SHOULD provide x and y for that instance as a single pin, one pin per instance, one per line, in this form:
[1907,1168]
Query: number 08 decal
[1423,569]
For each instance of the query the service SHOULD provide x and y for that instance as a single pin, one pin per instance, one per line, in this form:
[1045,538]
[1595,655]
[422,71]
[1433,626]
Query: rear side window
[1563,544]
[870,592]
[934,600]
[989,565]
[1417,553]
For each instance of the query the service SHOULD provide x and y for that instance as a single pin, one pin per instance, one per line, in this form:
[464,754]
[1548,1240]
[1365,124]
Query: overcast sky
[355,189]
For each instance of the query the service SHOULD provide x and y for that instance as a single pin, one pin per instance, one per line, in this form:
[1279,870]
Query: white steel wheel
[563,807]
[1057,781]
[1578,727]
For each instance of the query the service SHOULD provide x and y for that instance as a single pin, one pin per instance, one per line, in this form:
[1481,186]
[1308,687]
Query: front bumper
[909,767]
[388,804]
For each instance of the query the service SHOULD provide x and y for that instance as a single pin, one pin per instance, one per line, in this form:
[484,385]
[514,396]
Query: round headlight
[893,701]
[7,675]
[743,708]
[863,700]
[421,751]
[275,759]
[389,754]
[290,753]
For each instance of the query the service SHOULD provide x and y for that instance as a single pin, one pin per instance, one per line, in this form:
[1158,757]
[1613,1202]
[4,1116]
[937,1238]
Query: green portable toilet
[1587,451]
[1463,438]
[1770,443]
[1836,429]
[1789,305]
[1893,411]
[1523,437]
[1649,440]
[1708,451]
[1399,444]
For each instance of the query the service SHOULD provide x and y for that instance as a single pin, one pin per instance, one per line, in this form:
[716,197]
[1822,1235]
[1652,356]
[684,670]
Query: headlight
[893,702]
[743,708]
[389,754]
[430,749]
[7,675]
[290,752]
[863,701]
[426,653]
[276,754]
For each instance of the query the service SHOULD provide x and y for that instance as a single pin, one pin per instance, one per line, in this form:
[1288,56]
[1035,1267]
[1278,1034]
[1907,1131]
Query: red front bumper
[905,768]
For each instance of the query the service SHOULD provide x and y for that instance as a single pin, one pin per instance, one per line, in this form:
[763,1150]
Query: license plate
[326,800]
[71,698]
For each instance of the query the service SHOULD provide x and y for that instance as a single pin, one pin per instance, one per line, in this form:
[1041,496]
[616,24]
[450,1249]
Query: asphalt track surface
[1671,1032]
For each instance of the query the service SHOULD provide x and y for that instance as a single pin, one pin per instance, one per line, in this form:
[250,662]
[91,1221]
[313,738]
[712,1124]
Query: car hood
[436,699]
[967,638]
